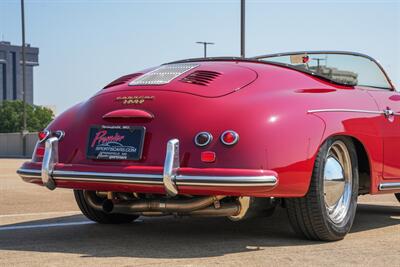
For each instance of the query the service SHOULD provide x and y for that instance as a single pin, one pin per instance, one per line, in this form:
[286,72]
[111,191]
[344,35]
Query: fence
[12,145]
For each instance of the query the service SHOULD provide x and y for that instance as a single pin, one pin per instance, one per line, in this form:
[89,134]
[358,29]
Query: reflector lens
[229,138]
[208,156]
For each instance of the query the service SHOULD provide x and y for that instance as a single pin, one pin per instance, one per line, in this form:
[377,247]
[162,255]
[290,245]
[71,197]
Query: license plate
[115,142]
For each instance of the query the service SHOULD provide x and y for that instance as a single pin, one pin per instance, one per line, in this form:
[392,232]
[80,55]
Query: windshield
[341,68]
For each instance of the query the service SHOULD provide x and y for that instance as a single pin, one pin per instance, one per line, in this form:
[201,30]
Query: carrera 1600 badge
[115,142]
[133,100]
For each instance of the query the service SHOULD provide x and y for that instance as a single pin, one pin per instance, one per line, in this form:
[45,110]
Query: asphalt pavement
[39,227]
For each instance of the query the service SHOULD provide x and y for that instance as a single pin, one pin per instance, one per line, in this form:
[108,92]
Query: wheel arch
[363,160]
[364,167]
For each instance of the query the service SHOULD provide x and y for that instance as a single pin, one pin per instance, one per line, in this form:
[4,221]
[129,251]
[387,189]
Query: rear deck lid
[208,79]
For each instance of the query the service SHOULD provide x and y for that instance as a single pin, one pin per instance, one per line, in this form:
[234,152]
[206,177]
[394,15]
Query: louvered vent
[201,77]
[122,80]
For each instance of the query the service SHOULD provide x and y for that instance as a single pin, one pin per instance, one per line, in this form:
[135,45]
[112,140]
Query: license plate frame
[115,142]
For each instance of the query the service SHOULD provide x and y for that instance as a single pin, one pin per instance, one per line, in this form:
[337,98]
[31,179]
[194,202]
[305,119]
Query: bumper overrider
[171,178]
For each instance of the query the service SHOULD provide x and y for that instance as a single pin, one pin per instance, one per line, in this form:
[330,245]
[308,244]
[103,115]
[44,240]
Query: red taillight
[229,137]
[43,135]
[208,156]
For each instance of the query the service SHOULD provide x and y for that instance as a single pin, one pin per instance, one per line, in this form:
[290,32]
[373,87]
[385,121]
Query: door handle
[389,114]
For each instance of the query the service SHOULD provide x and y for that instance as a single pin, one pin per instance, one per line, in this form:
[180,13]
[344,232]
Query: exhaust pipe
[226,210]
[92,199]
[166,206]
[199,207]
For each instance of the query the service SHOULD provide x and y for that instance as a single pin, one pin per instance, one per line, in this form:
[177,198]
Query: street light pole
[23,66]
[205,46]
[242,27]
[24,129]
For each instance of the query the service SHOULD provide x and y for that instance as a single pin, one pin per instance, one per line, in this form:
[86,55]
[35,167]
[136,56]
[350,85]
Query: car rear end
[177,131]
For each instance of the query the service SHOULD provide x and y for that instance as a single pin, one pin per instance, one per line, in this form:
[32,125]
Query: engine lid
[207,79]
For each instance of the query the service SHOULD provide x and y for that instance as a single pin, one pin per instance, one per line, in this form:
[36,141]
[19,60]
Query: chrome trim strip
[156,179]
[109,177]
[29,174]
[389,186]
[62,174]
[266,180]
[105,180]
[345,110]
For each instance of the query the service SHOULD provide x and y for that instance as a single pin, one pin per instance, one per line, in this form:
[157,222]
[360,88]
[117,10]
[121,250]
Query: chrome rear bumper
[171,179]
[180,180]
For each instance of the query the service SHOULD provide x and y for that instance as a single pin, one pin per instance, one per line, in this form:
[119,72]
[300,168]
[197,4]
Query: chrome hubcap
[337,181]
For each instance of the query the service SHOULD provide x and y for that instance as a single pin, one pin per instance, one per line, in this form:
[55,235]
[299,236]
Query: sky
[86,44]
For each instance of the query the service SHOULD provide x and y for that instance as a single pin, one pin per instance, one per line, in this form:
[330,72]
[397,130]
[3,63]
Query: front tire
[327,212]
[97,215]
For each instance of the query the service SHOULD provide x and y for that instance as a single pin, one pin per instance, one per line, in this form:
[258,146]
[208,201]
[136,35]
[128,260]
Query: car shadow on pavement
[371,217]
[167,237]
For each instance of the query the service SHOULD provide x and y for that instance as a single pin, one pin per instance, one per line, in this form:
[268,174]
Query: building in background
[11,71]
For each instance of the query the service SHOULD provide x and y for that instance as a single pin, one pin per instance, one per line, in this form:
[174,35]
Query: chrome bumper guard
[170,178]
[49,160]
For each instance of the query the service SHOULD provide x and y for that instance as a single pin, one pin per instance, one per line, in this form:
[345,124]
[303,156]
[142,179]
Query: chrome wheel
[338,178]
[328,209]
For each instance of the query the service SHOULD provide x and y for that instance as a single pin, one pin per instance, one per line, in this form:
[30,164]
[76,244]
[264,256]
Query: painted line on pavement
[21,227]
[39,214]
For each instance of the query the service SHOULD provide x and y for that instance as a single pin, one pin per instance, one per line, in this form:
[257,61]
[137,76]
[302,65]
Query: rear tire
[327,212]
[397,195]
[97,215]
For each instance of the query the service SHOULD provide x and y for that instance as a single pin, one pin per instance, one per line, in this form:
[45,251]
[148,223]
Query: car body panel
[282,117]
[387,99]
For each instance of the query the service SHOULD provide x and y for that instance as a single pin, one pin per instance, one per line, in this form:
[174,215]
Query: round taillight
[43,135]
[229,138]
[203,139]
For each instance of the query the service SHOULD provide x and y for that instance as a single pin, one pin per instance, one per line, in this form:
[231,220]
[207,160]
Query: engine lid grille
[164,74]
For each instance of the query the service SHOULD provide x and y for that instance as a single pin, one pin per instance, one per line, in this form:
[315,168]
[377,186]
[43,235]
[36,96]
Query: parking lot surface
[39,227]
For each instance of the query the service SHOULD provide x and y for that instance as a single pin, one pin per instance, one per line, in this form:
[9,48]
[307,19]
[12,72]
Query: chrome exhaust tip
[244,205]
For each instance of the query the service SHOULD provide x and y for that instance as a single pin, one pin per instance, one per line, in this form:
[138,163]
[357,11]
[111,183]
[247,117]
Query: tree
[11,117]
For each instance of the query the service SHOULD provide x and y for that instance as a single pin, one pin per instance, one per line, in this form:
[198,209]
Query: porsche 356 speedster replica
[231,137]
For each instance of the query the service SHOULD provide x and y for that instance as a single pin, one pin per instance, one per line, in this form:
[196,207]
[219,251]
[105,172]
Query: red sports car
[231,137]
